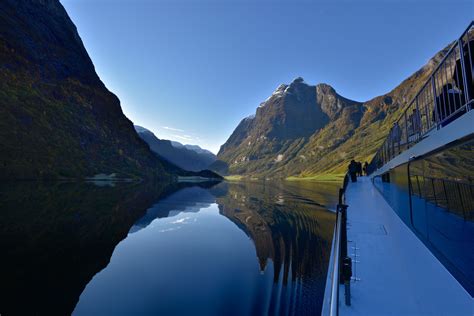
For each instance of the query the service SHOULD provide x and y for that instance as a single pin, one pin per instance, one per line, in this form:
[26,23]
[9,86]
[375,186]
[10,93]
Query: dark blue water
[226,249]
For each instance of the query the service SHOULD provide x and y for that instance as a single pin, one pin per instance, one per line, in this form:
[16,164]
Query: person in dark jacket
[468,52]
[359,169]
[353,171]
[366,168]
[447,102]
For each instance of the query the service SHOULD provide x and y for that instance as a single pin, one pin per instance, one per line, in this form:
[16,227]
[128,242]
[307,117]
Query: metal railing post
[334,304]
[435,101]
[341,263]
[406,129]
[427,114]
[464,76]
[347,268]
[342,209]
[418,121]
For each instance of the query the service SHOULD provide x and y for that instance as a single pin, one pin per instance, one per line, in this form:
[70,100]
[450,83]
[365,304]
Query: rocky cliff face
[303,130]
[57,119]
[284,124]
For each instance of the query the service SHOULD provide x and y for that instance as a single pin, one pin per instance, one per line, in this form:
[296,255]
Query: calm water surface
[149,249]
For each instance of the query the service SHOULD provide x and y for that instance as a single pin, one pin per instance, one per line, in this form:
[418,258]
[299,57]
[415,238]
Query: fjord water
[150,249]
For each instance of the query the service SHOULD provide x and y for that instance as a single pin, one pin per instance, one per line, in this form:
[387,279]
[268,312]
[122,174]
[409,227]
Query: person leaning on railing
[353,168]
[395,136]
[414,126]
[453,97]
[468,58]
[448,102]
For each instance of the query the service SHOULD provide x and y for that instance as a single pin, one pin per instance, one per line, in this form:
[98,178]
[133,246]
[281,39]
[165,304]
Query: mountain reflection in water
[146,249]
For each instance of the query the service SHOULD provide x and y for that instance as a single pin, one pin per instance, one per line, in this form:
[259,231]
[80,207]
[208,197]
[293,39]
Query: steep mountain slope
[195,159]
[57,119]
[284,124]
[379,115]
[304,130]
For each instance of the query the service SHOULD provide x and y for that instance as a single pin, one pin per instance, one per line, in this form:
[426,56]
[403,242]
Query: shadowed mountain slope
[57,119]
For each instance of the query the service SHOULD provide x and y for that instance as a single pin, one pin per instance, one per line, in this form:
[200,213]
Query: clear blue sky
[191,70]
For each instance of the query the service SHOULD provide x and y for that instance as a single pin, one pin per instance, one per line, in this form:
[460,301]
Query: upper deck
[446,97]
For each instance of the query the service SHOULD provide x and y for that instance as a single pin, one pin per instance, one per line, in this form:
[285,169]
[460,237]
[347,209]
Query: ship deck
[394,272]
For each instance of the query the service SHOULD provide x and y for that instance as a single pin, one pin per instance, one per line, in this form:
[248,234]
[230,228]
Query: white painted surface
[462,127]
[398,274]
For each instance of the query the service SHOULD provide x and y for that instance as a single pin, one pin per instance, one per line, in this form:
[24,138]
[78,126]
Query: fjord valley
[60,121]
[134,182]
[188,157]
[305,131]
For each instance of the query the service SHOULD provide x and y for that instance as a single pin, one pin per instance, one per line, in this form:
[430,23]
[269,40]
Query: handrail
[339,252]
[432,106]
[334,306]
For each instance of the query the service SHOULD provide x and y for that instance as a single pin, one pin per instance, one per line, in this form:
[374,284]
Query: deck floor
[395,272]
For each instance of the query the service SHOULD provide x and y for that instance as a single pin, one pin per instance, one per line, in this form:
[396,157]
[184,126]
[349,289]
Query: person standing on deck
[396,138]
[415,122]
[359,169]
[353,170]
[366,168]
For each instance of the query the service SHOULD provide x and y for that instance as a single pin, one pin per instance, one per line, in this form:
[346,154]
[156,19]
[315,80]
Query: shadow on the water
[54,237]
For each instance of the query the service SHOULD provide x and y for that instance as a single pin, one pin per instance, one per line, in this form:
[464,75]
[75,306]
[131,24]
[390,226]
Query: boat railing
[340,268]
[446,95]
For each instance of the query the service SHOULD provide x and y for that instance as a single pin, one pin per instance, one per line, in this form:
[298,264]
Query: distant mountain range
[303,130]
[195,148]
[188,157]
